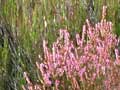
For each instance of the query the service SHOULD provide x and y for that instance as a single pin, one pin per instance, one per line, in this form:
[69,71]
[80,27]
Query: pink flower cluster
[93,55]
[90,59]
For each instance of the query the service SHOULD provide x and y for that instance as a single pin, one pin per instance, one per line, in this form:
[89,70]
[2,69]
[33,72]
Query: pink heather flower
[46,78]
[60,71]
[117,54]
[98,66]
[94,76]
[117,61]
[99,50]
[43,68]
[107,84]
[87,48]
[44,71]
[57,82]
[107,62]
[66,38]
[81,73]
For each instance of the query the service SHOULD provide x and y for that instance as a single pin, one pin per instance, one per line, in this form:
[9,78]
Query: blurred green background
[25,23]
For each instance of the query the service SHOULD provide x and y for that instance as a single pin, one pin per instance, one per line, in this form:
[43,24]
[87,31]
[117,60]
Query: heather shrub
[24,24]
[90,61]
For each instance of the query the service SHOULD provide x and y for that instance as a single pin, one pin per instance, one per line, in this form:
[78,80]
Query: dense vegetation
[24,24]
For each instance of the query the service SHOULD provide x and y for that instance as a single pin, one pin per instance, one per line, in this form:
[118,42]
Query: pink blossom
[81,72]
